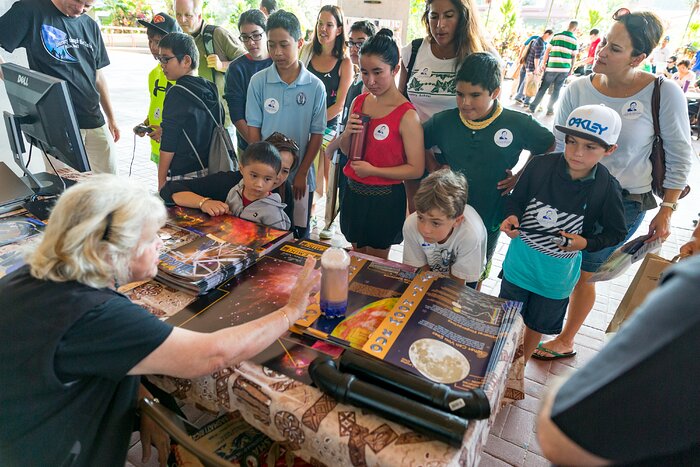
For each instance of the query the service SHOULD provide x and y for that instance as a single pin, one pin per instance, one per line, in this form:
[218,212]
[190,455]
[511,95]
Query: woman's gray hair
[95,230]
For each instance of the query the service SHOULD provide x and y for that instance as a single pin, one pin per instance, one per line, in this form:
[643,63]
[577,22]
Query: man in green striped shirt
[559,60]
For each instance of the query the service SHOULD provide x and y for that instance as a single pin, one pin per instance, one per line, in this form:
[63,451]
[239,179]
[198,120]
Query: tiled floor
[512,440]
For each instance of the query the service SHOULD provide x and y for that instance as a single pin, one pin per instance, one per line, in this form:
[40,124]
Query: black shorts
[541,314]
[373,215]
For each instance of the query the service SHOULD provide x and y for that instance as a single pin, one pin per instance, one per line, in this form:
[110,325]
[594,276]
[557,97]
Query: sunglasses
[633,21]
[278,137]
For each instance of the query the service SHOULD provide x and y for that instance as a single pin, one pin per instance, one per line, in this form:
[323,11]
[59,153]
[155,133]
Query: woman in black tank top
[330,63]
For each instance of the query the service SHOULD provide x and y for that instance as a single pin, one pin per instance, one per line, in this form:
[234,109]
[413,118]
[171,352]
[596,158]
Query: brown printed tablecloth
[324,432]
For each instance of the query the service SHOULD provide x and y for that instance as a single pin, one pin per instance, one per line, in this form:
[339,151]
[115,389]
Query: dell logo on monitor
[23,80]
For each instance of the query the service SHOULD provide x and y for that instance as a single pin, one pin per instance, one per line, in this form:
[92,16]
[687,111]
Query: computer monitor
[43,112]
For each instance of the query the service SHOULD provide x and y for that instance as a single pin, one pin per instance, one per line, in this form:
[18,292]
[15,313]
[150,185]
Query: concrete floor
[512,439]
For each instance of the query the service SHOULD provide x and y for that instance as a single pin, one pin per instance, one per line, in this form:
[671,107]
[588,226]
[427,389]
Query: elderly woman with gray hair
[73,346]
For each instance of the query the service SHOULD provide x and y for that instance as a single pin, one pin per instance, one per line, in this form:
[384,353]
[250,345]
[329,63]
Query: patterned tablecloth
[314,425]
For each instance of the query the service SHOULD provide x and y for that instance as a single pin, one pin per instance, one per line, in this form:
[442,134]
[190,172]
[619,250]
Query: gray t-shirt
[637,400]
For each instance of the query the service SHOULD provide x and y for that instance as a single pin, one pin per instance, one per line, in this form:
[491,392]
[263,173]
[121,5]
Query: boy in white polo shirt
[445,234]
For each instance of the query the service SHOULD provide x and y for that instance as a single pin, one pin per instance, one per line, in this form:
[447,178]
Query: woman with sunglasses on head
[374,206]
[429,65]
[618,83]
[326,58]
[209,193]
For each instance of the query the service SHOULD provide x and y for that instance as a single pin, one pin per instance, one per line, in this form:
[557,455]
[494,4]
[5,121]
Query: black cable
[54,168]
[133,156]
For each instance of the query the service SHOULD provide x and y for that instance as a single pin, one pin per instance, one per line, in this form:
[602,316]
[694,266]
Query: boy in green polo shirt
[483,140]
[161,25]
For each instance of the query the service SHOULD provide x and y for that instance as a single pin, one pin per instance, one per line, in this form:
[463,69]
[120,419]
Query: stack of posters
[444,331]
[222,247]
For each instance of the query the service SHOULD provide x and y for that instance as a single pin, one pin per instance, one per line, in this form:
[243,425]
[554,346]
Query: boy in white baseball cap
[562,204]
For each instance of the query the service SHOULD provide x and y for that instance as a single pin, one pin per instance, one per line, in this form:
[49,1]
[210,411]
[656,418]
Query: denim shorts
[541,314]
[634,215]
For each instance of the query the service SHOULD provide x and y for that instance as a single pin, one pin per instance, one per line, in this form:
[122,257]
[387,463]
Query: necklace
[481,124]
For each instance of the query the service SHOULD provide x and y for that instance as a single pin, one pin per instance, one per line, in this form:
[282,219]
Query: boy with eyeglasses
[187,126]
[160,25]
[251,25]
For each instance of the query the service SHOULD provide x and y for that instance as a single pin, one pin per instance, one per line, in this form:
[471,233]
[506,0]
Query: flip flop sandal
[552,354]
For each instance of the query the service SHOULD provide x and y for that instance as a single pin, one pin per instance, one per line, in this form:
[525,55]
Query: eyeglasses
[164,60]
[352,44]
[278,138]
[255,37]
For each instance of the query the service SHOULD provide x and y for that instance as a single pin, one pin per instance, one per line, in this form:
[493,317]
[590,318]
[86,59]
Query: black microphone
[472,404]
[347,388]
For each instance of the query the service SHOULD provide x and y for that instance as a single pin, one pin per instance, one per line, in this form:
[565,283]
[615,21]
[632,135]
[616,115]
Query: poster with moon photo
[443,331]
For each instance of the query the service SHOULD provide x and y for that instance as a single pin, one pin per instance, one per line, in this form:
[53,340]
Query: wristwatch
[673,206]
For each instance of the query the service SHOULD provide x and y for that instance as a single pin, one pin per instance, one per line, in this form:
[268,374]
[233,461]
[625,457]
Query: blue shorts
[590,262]
[541,314]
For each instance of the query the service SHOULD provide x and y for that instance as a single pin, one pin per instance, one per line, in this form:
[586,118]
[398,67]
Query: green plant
[126,13]
[507,39]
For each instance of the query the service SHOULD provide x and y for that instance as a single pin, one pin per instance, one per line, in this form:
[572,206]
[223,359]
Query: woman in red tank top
[374,206]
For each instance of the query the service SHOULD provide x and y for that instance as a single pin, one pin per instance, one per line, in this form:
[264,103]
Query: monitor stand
[43,184]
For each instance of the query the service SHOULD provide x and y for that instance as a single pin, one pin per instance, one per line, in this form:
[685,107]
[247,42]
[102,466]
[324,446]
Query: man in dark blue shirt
[63,42]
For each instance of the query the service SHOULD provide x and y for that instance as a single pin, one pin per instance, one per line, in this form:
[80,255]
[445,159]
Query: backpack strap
[208,38]
[415,45]
[196,97]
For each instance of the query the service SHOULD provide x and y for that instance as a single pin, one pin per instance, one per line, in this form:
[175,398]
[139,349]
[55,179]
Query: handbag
[658,155]
[222,157]
[531,84]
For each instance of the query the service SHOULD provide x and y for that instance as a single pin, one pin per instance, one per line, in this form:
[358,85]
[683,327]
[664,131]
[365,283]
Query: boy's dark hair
[594,31]
[269,5]
[548,31]
[444,190]
[285,20]
[253,17]
[151,34]
[383,45]
[673,57]
[339,44]
[263,153]
[181,44]
[684,62]
[365,26]
[481,69]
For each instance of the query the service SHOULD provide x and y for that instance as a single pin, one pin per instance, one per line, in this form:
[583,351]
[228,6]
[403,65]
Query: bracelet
[289,323]
[204,200]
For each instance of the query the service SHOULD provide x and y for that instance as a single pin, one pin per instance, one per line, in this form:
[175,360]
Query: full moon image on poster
[438,361]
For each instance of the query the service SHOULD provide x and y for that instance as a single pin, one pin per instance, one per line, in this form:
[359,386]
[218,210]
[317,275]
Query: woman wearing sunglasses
[195,193]
[618,83]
